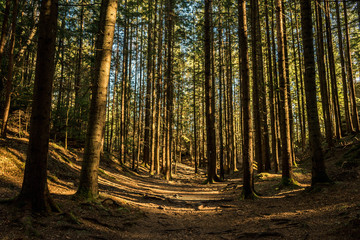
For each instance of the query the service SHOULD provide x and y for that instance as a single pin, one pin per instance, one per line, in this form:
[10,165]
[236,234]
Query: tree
[331,59]
[248,180]
[170,86]
[209,98]
[88,187]
[322,75]
[274,142]
[34,191]
[318,166]
[284,107]
[355,115]
[256,69]
[10,71]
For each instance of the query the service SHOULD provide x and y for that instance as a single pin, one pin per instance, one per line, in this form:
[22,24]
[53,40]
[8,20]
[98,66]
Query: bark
[274,145]
[287,177]
[34,191]
[221,137]
[124,80]
[88,187]
[318,166]
[170,88]
[255,91]
[322,75]
[158,90]
[248,181]
[355,115]
[10,70]
[149,82]
[4,28]
[298,93]
[209,98]
[334,89]
[276,93]
[349,125]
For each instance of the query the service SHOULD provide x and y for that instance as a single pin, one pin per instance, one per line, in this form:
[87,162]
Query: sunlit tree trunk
[209,97]
[149,82]
[248,180]
[349,125]
[88,187]
[170,88]
[287,177]
[355,115]
[334,89]
[256,84]
[274,142]
[322,75]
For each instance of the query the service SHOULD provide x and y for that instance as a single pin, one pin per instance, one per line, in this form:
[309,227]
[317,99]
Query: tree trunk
[355,115]
[34,190]
[170,88]
[318,166]
[248,180]
[221,137]
[274,146]
[255,91]
[322,75]
[287,177]
[334,89]
[10,70]
[88,187]
[209,98]
[349,124]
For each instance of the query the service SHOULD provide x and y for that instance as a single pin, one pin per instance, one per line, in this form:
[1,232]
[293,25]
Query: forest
[179,119]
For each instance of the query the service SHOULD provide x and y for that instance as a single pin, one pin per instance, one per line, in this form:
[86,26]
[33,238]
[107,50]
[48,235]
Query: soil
[135,205]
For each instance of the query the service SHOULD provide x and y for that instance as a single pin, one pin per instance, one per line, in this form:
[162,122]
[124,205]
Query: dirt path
[139,206]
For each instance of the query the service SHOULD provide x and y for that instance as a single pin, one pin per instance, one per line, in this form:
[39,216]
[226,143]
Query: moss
[288,182]
[248,196]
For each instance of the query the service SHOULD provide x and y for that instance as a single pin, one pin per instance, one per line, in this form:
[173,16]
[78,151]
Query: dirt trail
[139,206]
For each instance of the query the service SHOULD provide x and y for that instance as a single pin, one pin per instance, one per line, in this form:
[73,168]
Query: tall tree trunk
[262,94]
[170,88]
[302,94]
[195,119]
[298,93]
[276,92]
[318,166]
[209,98]
[10,70]
[221,137]
[34,189]
[255,91]
[334,89]
[248,179]
[322,75]
[78,72]
[149,82]
[274,145]
[287,177]
[355,115]
[158,90]
[349,125]
[230,108]
[124,80]
[88,187]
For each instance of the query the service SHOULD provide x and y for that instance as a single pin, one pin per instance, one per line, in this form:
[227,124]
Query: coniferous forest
[178,119]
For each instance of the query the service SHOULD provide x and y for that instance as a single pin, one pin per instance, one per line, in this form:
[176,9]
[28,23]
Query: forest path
[135,205]
[185,192]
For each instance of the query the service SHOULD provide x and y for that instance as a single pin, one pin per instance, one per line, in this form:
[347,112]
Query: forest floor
[138,206]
